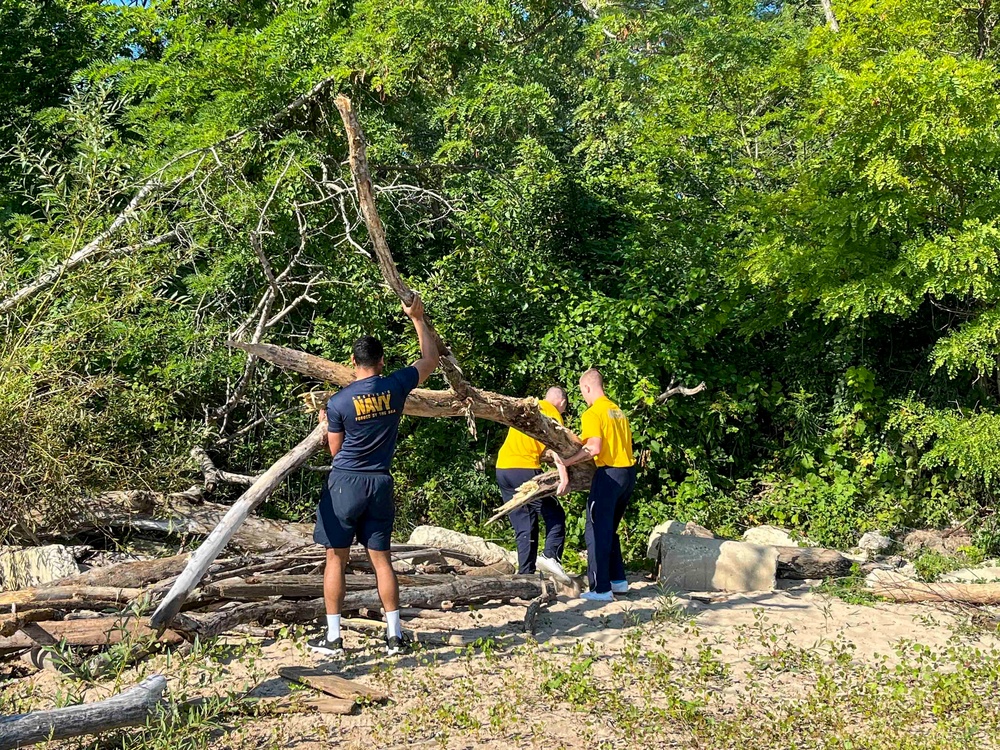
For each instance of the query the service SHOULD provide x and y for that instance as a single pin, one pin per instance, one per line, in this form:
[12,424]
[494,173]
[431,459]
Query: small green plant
[850,589]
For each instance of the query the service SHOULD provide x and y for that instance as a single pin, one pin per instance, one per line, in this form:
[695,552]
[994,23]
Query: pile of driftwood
[96,612]
[104,606]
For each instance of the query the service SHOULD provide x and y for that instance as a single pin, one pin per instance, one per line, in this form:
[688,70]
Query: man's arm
[335,440]
[428,361]
[591,447]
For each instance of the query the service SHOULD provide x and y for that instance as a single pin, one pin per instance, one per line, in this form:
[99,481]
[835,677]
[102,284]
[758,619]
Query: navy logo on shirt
[373,405]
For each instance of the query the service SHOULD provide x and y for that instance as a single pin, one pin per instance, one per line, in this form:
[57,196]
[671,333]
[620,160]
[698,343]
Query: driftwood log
[128,709]
[205,555]
[95,631]
[802,563]
[917,591]
[68,597]
[305,586]
[462,590]
[332,684]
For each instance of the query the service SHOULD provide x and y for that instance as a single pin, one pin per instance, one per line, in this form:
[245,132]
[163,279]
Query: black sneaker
[398,644]
[328,648]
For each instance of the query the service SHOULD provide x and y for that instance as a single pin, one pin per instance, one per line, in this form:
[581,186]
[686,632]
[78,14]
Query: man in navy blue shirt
[357,501]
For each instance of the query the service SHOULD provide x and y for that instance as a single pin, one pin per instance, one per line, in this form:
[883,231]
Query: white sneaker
[554,568]
[593,596]
[619,587]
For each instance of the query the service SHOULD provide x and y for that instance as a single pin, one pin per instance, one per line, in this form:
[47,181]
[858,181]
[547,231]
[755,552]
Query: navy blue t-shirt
[368,413]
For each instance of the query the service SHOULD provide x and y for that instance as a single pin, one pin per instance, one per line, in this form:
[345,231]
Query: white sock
[332,628]
[393,627]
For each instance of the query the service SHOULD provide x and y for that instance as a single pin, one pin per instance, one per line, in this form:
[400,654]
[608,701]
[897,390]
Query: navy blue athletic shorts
[356,504]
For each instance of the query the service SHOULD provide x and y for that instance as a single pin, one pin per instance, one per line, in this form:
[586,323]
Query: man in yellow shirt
[520,460]
[607,438]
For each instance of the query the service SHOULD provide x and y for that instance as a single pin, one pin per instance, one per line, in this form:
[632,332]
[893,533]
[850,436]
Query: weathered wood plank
[331,684]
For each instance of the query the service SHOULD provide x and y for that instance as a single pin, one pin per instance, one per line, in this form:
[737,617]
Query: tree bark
[205,555]
[130,708]
[134,574]
[332,684]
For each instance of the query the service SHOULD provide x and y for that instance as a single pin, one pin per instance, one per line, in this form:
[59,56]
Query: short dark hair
[368,351]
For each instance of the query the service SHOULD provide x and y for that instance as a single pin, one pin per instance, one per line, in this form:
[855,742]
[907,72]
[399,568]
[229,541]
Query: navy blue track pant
[525,520]
[610,491]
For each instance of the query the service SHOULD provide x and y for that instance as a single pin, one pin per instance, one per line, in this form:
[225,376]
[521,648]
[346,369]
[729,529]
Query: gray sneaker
[554,568]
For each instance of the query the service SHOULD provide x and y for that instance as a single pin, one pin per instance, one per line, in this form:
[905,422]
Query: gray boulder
[23,567]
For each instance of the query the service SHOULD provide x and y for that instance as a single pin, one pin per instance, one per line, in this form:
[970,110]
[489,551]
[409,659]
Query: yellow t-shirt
[605,420]
[522,452]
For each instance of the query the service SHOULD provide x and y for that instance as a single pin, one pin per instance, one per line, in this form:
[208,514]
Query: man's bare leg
[385,576]
[334,586]
[388,592]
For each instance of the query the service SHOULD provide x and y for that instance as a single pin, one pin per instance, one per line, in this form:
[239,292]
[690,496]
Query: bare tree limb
[376,231]
[831,17]
[679,390]
[85,253]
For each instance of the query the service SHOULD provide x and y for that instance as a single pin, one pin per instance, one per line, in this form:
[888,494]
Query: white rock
[689,563]
[675,528]
[873,541]
[772,536]
[22,567]
[487,552]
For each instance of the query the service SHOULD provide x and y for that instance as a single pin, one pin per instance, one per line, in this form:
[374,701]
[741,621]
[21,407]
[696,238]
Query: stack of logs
[105,606]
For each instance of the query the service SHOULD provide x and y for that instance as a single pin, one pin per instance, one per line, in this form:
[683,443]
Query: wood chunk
[334,685]
[10,624]
[804,563]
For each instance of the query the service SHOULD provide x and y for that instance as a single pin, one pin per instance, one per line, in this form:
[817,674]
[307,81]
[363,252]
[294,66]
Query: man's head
[557,397]
[368,355]
[591,385]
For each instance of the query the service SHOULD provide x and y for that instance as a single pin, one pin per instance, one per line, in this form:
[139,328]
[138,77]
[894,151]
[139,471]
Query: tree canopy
[804,218]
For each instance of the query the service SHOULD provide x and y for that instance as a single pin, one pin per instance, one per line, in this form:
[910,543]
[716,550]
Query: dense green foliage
[725,191]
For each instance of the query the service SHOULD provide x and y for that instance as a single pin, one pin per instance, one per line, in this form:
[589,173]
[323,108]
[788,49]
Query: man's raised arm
[428,361]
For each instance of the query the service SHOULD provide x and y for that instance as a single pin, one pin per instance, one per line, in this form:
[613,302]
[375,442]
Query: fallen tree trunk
[205,555]
[802,563]
[130,708]
[917,591]
[95,631]
[68,597]
[178,517]
[463,590]
[305,586]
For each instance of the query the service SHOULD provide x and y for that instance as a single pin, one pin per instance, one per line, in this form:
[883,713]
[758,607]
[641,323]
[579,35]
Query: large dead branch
[202,559]
[91,249]
[358,150]
[131,708]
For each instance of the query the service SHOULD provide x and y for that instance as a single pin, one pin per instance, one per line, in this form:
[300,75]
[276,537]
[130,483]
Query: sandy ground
[477,690]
